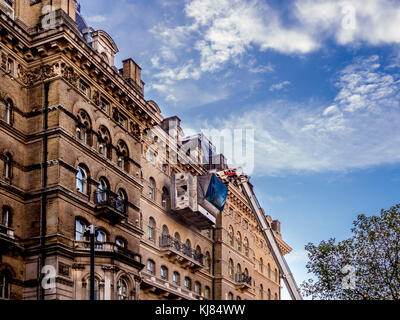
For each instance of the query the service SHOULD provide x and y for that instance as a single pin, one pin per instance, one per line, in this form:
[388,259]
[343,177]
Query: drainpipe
[43,209]
[213,263]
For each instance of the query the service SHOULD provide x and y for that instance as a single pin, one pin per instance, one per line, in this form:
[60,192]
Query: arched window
[101,237]
[120,202]
[81,180]
[122,289]
[96,289]
[151,230]
[197,288]
[177,236]
[8,113]
[176,278]
[80,228]
[276,275]
[269,271]
[164,273]
[207,292]
[7,166]
[239,241]
[230,268]
[269,294]
[120,242]
[246,246]
[104,142]
[123,156]
[165,199]
[151,267]
[5,279]
[207,260]
[198,256]
[238,272]
[188,244]
[238,298]
[188,283]
[230,296]
[261,265]
[276,296]
[261,292]
[102,190]
[152,189]
[6,217]
[230,234]
[165,231]
[84,128]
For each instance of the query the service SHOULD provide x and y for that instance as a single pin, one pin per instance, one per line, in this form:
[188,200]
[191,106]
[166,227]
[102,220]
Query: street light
[91,231]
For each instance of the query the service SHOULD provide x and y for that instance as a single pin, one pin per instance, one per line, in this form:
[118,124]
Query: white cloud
[279,85]
[370,21]
[96,19]
[359,129]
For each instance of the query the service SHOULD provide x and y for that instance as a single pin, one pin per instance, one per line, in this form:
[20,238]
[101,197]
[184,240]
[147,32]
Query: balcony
[180,253]
[111,250]
[165,290]
[243,281]
[110,206]
[7,238]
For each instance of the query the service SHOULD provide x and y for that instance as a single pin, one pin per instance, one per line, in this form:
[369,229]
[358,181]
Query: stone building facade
[80,145]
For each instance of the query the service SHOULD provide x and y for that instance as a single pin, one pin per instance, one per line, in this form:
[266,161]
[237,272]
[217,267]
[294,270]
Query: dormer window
[83,88]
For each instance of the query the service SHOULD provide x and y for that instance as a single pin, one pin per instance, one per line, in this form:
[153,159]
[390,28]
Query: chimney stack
[132,73]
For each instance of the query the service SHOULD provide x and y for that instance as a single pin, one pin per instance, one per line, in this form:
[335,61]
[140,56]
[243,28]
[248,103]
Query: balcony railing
[181,252]
[7,231]
[243,280]
[167,241]
[109,248]
[111,205]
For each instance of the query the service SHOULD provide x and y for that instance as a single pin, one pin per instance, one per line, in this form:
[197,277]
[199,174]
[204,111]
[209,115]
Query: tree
[373,253]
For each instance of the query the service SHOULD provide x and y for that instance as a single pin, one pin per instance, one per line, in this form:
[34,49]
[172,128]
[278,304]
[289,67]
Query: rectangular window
[104,105]
[84,88]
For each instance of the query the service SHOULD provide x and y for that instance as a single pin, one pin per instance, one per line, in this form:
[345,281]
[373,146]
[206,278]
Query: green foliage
[374,252]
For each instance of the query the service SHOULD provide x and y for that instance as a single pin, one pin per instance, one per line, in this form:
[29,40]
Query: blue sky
[317,81]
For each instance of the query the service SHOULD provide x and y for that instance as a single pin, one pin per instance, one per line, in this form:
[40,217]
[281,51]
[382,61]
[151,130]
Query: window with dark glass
[164,273]
[151,267]
[151,230]
[188,283]
[176,278]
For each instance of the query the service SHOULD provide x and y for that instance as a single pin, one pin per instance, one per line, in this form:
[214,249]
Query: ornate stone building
[80,145]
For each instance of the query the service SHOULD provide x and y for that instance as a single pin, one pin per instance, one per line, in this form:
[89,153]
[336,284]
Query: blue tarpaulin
[217,193]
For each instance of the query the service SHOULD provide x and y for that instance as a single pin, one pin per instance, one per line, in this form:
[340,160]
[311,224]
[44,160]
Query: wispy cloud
[357,130]
[96,19]
[279,85]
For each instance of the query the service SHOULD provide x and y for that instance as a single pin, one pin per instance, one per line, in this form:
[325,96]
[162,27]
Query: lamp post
[91,231]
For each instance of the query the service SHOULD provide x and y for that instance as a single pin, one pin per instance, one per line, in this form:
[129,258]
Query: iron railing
[108,198]
[167,241]
[243,278]
[109,247]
